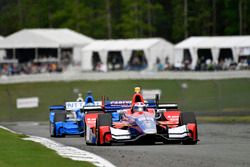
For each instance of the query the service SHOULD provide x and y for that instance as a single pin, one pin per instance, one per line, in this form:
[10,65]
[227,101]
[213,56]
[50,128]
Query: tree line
[173,20]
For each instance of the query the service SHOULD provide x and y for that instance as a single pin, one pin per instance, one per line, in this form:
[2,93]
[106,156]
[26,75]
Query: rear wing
[113,106]
[81,105]
[57,108]
[92,109]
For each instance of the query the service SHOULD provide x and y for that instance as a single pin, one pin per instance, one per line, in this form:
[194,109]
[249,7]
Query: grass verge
[17,152]
[224,119]
[208,96]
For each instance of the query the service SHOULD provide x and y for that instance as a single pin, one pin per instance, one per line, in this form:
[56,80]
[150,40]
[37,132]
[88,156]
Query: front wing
[69,128]
[179,133]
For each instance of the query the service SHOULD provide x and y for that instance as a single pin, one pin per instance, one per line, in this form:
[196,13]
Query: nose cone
[150,131]
[147,125]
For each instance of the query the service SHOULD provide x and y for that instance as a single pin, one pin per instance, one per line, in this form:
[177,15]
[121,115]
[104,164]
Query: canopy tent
[153,48]
[215,44]
[243,48]
[46,38]
[2,52]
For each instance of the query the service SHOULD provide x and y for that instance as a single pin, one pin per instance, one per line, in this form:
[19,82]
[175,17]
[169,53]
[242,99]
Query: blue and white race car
[68,119]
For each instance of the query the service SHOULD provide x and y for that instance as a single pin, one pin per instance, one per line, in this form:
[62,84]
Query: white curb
[67,151]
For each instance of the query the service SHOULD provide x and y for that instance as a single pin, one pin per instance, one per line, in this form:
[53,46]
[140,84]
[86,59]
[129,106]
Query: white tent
[46,38]
[235,43]
[243,48]
[153,48]
[2,52]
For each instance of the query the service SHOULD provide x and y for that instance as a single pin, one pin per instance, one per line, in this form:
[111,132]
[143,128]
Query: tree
[214,11]
[228,17]
[170,19]
[109,24]
[138,18]
[200,14]
[178,30]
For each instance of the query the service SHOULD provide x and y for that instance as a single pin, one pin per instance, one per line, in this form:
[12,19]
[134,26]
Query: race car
[68,119]
[141,121]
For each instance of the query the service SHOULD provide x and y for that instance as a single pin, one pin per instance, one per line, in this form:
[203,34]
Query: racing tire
[52,130]
[59,135]
[81,129]
[102,120]
[60,117]
[186,118]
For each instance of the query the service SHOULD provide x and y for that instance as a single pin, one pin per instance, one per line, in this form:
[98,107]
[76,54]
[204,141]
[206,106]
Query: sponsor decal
[173,118]
[120,103]
[74,105]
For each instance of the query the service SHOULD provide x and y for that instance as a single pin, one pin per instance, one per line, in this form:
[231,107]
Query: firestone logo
[120,102]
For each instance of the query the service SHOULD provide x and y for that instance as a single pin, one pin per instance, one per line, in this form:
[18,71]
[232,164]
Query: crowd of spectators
[29,68]
[204,65]
[45,63]
[222,65]
[34,67]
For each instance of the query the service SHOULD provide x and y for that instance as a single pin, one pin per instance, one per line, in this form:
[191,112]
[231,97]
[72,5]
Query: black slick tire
[186,118]
[102,120]
[52,129]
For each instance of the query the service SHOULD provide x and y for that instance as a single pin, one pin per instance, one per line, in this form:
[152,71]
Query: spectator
[242,65]
[178,65]
[159,65]
[186,64]
[209,65]
[167,65]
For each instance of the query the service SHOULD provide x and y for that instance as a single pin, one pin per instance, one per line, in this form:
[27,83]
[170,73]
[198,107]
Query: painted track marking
[67,151]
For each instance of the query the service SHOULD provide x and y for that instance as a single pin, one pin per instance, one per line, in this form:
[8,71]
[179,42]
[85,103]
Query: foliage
[128,18]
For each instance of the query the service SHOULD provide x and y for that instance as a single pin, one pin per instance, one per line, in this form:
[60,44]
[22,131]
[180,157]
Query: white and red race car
[140,121]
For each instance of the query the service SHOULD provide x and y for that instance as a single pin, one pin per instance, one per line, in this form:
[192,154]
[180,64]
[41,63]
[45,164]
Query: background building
[216,50]
[131,54]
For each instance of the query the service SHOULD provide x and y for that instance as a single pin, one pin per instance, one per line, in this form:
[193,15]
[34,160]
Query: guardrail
[72,76]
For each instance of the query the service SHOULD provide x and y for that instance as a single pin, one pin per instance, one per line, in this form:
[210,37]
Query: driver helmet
[79,99]
[139,106]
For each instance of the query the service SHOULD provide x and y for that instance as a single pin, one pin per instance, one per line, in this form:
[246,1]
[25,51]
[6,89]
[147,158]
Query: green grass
[224,119]
[17,152]
[232,95]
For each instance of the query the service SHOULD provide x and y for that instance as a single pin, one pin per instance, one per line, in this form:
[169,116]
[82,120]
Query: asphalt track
[221,145]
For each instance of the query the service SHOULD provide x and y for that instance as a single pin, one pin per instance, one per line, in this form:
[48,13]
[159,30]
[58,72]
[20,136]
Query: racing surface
[221,145]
